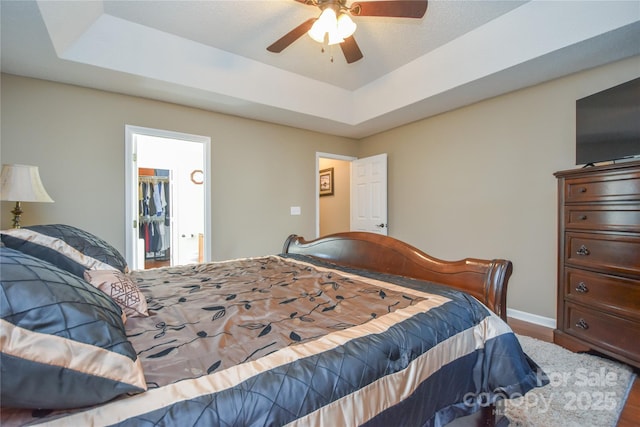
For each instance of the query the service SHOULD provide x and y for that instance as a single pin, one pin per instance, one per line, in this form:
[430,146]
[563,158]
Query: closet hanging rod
[147,178]
[147,219]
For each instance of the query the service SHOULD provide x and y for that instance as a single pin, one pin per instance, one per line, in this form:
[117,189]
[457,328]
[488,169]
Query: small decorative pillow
[51,249]
[62,341]
[121,289]
[87,243]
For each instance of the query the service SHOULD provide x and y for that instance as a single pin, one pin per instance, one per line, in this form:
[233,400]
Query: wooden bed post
[498,275]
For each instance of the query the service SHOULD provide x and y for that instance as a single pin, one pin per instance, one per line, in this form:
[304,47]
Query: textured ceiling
[246,28]
[212,55]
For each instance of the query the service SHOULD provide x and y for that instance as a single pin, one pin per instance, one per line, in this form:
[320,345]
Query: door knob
[381,225]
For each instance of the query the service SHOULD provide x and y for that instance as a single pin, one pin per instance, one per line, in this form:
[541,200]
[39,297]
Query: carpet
[584,390]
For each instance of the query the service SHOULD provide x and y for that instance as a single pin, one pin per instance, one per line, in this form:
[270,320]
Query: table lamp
[21,183]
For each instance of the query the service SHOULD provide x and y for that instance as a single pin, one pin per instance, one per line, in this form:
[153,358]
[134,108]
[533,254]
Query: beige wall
[76,135]
[478,181]
[334,210]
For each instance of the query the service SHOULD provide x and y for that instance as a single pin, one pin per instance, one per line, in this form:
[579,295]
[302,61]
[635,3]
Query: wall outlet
[295,210]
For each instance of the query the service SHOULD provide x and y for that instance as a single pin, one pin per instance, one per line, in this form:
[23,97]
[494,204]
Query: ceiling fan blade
[394,9]
[291,36]
[351,50]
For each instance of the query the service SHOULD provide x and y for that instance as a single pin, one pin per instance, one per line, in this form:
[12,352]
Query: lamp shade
[323,25]
[21,183]
[346,26]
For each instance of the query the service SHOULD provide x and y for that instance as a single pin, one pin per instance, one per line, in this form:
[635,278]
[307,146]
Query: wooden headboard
[484,279]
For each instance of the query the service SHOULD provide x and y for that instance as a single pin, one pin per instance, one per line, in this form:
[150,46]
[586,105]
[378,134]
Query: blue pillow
[65,246]
[63,342]
[85,242]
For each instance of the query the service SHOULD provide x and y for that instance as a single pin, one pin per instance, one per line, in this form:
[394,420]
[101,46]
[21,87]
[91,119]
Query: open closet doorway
[167,201]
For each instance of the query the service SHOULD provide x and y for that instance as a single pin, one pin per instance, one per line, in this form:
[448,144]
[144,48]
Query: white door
[369,194]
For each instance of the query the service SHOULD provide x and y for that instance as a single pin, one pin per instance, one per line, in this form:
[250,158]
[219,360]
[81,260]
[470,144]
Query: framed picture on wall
[326,182]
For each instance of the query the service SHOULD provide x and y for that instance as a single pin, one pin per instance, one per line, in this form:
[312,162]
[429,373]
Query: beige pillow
[121,289]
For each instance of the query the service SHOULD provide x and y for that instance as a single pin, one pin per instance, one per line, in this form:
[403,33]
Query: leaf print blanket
[291,340]
[226,313]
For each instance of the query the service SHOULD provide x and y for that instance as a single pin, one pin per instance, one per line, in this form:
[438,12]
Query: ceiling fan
[336,27]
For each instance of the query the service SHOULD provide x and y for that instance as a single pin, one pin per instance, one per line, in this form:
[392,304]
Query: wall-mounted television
[608,124]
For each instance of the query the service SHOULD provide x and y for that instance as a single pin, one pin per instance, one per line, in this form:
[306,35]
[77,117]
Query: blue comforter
[423,354]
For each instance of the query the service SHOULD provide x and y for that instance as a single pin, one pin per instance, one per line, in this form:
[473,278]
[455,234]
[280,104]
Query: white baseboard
[547,322]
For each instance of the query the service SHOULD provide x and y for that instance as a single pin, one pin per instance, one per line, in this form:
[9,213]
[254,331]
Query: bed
[349,329]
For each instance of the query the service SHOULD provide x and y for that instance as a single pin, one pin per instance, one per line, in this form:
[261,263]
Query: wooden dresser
[599,260]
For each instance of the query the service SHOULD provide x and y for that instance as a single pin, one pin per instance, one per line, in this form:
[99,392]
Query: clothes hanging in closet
[155,216]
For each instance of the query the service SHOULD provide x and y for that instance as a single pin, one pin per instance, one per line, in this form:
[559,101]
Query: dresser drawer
[612,293]
[603,187]
[607,252]
[603,217]
[609,332]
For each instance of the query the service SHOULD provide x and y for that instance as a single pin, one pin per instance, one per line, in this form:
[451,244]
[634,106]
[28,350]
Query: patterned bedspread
[225,314]
[278,340]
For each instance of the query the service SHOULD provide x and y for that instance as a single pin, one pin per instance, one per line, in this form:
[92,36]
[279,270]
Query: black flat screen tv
[608,124]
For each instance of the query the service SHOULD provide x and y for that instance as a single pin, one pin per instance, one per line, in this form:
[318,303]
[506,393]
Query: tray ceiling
[212,55]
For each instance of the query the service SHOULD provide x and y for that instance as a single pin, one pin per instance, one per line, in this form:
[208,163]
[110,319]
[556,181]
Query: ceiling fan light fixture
[334,37]
[317,32]
[316,35]
[346,26]
[326,24]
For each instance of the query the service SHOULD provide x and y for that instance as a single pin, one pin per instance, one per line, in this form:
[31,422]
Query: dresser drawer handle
[582,217]
[582,251]
[582,288]
[582,189]
[582,324]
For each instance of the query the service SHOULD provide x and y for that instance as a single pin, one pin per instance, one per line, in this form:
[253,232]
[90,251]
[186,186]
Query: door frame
[131,185]
[320,155]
